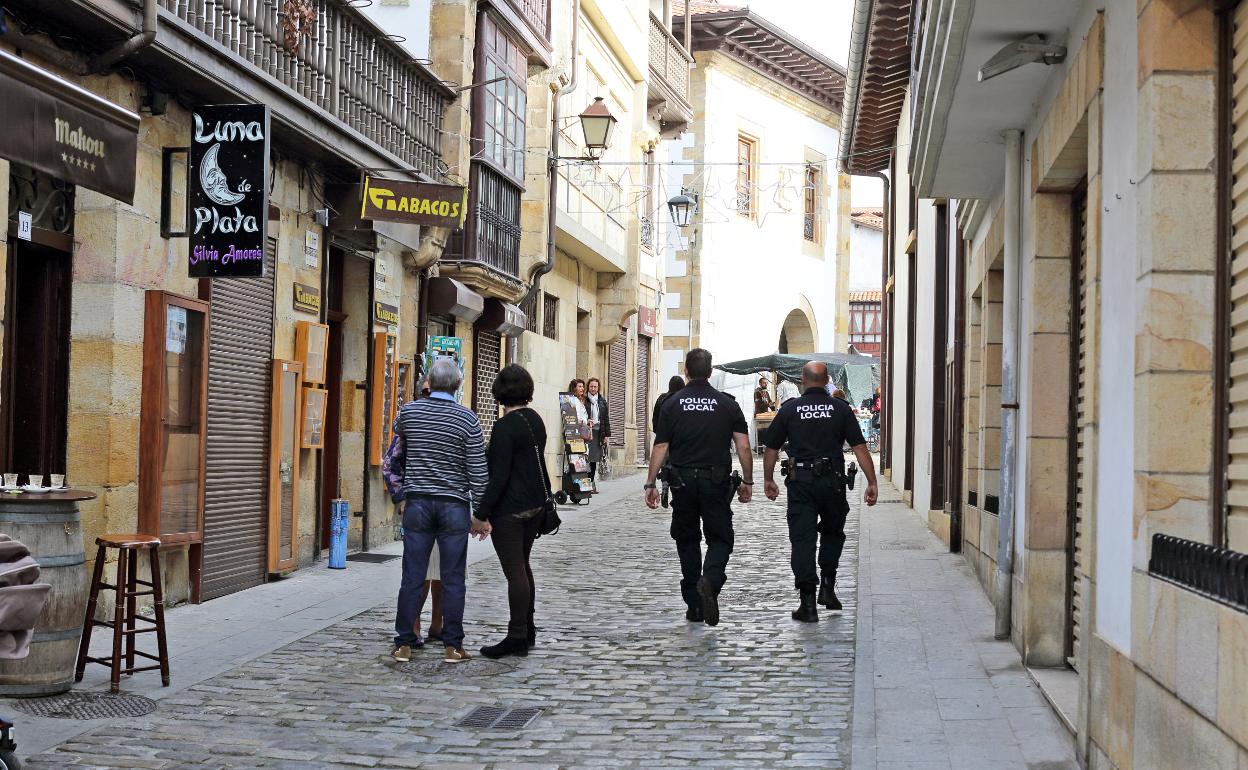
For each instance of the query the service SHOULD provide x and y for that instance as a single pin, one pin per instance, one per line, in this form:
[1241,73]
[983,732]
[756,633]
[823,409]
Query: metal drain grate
[87,705]
[373,558]
[496,718]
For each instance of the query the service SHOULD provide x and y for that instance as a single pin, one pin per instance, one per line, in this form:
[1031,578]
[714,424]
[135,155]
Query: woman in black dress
[518,488]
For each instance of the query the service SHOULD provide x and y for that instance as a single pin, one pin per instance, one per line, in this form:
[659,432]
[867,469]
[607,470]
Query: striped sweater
[444,448]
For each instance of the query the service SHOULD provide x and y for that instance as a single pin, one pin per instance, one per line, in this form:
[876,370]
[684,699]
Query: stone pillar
[1047,431]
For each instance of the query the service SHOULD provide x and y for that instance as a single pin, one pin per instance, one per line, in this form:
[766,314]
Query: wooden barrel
[50,526]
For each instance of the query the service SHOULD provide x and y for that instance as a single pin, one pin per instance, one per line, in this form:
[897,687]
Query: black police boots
[710,602]
[694,615]
[808,612]
[827,593]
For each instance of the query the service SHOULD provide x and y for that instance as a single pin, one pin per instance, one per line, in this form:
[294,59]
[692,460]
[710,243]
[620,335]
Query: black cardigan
[516,480]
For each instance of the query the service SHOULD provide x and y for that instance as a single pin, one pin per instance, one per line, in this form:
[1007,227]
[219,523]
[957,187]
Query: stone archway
[798,333]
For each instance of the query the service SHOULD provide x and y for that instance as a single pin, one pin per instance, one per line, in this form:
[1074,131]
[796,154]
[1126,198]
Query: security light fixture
[682,206]
[1030,50]
[598,124]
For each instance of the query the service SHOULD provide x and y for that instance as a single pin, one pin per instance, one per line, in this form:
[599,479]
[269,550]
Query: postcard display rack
[577,484]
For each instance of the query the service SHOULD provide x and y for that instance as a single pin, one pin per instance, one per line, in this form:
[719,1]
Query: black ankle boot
[509,646]
[827,593]
[808,612]
[531,639]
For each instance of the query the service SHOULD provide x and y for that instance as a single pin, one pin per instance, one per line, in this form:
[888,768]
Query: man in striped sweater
[444,473]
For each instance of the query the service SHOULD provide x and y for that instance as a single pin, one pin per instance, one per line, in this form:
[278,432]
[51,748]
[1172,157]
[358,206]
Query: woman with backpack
[515,498]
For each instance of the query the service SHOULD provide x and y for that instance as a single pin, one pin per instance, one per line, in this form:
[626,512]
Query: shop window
[550,316]
[172,417]
[747,174]
[284,435]
[810,204]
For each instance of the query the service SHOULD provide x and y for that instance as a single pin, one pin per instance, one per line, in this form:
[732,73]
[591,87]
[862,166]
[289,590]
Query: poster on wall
[445,347]
[228,178]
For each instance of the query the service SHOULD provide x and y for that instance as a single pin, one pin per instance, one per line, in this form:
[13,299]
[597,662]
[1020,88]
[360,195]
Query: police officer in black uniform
[697,427]
[816,427]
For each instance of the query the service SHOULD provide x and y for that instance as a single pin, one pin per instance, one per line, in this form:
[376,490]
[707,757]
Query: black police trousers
[701,505]
[817,508]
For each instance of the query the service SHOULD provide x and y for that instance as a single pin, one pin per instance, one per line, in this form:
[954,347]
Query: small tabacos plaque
[307,298]
[229,195]
[386,314]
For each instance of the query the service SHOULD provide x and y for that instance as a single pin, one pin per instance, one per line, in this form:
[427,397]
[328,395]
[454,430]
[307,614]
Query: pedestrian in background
[763,401]
[786,392]
[576,388]
[445,473]
[600,425]
[518,489]
[673,385]
[696,428]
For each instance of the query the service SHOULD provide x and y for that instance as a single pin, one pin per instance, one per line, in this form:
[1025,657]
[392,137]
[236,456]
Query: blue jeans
[429,520]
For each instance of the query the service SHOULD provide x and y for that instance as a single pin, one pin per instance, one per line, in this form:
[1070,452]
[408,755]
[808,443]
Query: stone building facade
[1073,426]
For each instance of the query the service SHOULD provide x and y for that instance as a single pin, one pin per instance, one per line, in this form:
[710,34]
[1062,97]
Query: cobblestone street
[622,679]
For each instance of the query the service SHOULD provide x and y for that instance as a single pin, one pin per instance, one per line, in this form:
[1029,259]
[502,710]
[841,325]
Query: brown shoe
[456,655]
[402,654]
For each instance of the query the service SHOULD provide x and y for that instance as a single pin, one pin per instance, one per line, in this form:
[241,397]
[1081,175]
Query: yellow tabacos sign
[416,203]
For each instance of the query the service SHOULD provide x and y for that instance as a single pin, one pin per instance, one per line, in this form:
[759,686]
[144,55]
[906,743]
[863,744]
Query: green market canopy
[857,375]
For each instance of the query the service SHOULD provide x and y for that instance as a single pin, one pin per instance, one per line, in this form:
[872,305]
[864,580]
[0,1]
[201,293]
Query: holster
[734,483]
[669,474]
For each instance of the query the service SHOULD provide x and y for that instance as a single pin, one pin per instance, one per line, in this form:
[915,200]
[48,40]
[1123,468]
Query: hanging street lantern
[682,207]
[598,124]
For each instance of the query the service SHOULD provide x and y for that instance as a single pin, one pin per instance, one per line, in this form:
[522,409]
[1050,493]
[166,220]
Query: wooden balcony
[345,66]
[668,85]
[347,95]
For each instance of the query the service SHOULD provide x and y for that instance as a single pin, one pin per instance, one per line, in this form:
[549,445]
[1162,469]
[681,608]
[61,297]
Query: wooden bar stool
[126,614]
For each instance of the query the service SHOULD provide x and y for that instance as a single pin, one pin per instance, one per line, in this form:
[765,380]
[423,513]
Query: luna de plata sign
[229,190]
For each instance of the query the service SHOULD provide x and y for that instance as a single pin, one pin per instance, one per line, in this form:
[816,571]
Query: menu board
[383,394]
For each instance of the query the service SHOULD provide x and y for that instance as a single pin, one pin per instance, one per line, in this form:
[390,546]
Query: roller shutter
[1082,414]
[236,481]
[617,386]
[1237,397]
[487,357]
[641,408]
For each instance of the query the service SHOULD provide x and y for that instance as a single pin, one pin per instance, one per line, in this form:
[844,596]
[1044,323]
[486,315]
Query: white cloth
[785,391]
[594,401]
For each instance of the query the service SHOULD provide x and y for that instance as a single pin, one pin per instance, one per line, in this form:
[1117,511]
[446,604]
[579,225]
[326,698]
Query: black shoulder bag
[548,521]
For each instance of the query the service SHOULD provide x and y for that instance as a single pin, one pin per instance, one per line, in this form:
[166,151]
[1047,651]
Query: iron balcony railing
[491,235]
[668,59]
[342,65]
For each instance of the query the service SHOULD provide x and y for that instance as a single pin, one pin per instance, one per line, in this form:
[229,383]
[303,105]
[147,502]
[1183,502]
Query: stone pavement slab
[623,680]
[933,688]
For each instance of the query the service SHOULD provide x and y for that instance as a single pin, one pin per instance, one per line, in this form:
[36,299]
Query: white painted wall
[865,257]
[406,18]
[1115,458]
[755,271]
[925,353]
[895,397]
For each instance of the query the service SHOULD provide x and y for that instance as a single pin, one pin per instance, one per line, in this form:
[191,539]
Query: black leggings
[513,542]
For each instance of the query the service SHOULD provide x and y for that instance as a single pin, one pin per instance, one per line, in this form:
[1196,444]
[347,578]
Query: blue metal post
[339,521]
